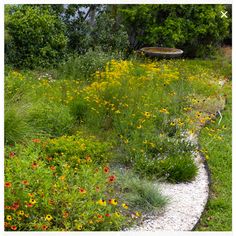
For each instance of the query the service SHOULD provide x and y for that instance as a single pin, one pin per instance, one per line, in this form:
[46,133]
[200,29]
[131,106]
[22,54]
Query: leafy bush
[70,148]
[197,29]
[36,36]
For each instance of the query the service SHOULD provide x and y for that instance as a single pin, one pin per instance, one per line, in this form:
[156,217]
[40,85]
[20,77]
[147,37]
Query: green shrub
[78,148]
[36,36]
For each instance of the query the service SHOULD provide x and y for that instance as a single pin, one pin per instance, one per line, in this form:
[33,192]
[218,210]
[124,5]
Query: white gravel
[186,204]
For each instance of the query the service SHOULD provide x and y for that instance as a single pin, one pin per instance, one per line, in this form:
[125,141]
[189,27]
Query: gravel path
[186,204]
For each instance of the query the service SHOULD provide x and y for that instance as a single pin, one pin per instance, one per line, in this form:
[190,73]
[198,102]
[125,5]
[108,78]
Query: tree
[195,28]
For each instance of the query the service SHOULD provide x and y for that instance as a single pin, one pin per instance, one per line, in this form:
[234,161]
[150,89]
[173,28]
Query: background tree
[37,36]
[197,29]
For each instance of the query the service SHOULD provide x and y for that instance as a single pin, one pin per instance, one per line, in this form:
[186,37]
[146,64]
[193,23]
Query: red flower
[52,167]
[107,215]
[8,184]
[36,140]
[25,182]
[13,227]
[29,205]
[12,154]
[15,206]
[111,178]
[106,169]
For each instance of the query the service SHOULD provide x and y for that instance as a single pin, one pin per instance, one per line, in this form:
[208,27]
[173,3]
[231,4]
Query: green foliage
[37,36]
[82,67]
[216,144]
[50,118]
[55,195]
[109,34]
[78,149]
[197,29]
[16,128]
[91,26]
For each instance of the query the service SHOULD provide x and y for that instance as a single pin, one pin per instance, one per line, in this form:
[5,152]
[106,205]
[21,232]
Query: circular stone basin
[162,52]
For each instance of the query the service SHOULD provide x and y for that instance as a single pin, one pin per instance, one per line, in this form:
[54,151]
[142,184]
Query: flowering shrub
[47,193]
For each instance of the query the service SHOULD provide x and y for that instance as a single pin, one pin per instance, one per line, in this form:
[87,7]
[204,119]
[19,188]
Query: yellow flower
[147,114]
[117,214]
[139,126]
[172,123]
[48,217]
[32,201]
[124,205]
[137,214]
[79,227]
[164,110]
[21,213]
[117,112]
[113,201]
[101,202]
[62,177]
[9,217]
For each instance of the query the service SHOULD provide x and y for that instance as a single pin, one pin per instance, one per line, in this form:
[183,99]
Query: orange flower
[13,227]
[25,182]
[106,169]
[7,184]
[44,227]
[88,158]
[65,214]
[36,140]
[6,225]
[81,190]
[34,165]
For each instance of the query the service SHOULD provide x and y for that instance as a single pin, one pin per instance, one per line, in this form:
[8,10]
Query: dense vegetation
[89,127]
[198,29]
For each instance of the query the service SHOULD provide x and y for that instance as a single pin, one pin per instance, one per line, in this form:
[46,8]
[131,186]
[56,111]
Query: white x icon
[224,14]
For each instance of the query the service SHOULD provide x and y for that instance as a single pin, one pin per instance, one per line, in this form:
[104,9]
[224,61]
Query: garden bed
[67,142]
